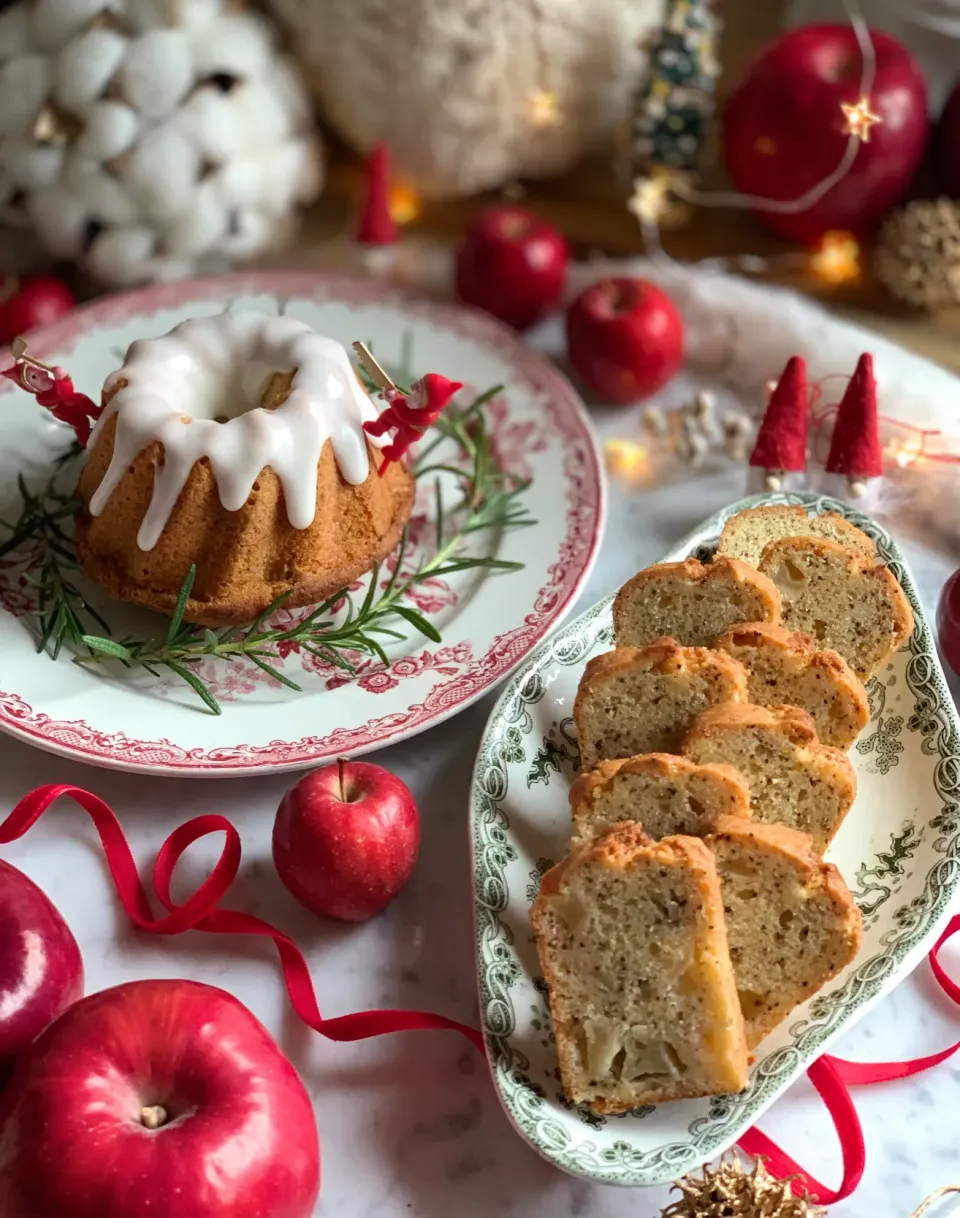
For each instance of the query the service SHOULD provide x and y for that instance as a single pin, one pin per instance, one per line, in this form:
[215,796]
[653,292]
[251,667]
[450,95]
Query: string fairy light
[836,258]
[404,203]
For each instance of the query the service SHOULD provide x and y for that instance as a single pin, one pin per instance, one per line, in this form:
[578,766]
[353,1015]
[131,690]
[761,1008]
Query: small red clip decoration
[409,415]
[53,389]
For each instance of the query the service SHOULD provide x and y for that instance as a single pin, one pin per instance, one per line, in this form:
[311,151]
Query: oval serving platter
[898,849]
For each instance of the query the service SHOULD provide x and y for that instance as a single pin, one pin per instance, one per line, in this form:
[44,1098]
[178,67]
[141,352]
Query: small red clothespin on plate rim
[54,390]
[407,415]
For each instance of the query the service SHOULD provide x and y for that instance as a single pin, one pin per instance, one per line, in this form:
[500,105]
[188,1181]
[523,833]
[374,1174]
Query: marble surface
[410,1125]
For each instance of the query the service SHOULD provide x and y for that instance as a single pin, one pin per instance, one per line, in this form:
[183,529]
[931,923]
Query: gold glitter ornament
[730,1191]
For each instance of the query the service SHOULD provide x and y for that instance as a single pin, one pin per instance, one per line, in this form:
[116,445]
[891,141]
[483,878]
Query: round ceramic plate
[898,850]
[488,622]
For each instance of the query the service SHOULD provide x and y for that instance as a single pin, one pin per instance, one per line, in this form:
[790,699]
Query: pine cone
[145,139]
[917,256]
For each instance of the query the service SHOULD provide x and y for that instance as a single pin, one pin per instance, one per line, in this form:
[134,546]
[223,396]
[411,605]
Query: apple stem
[341,762]
[153,1116]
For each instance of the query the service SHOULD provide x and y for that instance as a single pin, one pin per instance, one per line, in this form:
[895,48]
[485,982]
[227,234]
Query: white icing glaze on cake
[179,384]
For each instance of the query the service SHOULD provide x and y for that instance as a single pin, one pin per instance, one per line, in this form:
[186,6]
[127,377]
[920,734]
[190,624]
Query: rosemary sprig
[488,500]
[44,552]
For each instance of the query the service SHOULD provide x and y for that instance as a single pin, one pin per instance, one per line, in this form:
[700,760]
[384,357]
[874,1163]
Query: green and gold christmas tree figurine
[674,104]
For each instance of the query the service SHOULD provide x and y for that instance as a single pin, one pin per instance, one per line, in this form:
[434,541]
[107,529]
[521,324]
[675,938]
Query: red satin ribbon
[200,911]
[830,1075]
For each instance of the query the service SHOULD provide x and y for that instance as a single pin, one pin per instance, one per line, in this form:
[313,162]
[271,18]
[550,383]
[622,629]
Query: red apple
[624,338]
[948,621]
[512,264]
[948,143]
[783,129]
[161,1098]
[346,839]
[33,300]
[41,971]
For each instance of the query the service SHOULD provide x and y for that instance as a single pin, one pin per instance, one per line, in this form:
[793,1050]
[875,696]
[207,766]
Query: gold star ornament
[650,200]
[860,118]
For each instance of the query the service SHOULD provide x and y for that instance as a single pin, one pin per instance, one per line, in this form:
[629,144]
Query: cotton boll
[119,255]
[111,128]
[213,124]
[240,47]
[292,171]
[289,86]
[102,195]
[161,172]
[60,220]
[167,270]
[31,165]
[242,182]
[15,32]
[189,135]
[55,22]
[157,72]
[309,169]
[251,232]
[86,66]
[200,227]
[261,113]
[189,14]
[24,87]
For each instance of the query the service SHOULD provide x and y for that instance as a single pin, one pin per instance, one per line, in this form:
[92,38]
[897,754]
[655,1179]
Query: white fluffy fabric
[447,83]
[192,138]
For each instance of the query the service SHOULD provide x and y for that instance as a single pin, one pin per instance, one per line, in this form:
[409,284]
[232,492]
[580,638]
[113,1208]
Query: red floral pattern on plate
[371,675]
[564,419]
[513,440]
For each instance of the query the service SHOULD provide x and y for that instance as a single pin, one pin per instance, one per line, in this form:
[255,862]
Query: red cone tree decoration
[782,440]
[855,447]
[376,224]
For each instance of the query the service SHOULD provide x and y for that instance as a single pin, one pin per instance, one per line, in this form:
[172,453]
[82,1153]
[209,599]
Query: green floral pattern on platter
[899,850]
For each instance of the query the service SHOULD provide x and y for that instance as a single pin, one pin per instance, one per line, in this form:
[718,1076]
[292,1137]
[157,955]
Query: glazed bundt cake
[235,443]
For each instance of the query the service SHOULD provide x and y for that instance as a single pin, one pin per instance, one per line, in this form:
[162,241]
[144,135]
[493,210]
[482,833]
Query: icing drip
[216,367]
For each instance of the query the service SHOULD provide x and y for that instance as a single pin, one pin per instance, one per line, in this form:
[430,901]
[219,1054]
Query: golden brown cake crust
[244,559]
[743,534]
[828,564]
[821,774]
[727,591]
[718,790]
[620,848]
[790,721]
[721,676]
[842,699]
[820,883]
[661,765]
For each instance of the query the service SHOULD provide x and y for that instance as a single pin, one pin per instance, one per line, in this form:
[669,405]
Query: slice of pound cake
[791,921]
[633,947]
[692,602]
[745,535]
[784,667]
[840,599]
[793,779]
[643,700]
[664,794]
